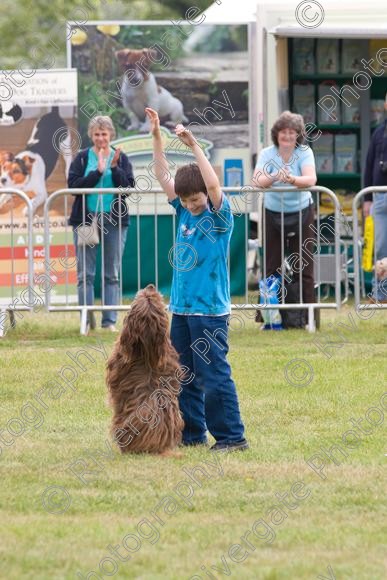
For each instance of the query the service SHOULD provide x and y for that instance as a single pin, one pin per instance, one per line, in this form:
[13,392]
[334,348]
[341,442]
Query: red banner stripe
[21,252]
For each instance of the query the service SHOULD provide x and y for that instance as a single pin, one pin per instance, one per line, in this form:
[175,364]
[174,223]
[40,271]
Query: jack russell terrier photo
[139,90]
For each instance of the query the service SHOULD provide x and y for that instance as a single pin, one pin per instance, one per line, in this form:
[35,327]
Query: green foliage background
[27,26]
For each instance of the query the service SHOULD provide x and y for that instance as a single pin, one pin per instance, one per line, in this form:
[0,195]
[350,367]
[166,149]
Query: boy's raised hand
[153,117]
[185,136]
[161,167]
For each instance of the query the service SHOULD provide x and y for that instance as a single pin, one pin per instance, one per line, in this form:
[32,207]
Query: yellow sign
[368,250]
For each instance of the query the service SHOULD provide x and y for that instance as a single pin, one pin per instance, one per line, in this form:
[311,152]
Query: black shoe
[224,447]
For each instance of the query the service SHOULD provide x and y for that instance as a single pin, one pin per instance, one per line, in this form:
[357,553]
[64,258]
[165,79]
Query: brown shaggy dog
[142,379]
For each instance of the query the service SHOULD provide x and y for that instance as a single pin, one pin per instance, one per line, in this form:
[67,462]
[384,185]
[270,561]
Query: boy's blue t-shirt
[201,284]
[270,161]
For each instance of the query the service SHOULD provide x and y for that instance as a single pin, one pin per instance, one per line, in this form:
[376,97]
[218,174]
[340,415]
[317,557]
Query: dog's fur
[139,90]
[14,172]
[146,415]
[381,269]
[5,156]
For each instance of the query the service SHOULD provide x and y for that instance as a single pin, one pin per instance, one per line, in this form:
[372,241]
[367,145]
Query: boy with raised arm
[200,295]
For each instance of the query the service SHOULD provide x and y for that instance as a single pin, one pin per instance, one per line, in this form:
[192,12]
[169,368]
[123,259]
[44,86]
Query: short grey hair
[288,120]
[102,122]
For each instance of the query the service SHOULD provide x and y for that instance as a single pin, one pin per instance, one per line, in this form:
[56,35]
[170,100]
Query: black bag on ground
[296,318]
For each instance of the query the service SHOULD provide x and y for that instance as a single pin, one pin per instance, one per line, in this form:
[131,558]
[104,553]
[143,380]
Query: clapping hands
[102,160]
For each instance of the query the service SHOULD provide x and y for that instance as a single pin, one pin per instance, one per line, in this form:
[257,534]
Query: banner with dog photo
[191,73]
[38,138]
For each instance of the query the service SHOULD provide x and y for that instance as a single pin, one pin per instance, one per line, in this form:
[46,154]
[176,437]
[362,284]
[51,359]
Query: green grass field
[70,503]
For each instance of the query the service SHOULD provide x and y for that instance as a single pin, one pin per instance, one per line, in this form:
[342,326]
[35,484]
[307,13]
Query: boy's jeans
[379,211]
[210,400]
[112,255]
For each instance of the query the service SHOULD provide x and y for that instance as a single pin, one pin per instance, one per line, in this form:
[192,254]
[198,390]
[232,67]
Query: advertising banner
[38,138]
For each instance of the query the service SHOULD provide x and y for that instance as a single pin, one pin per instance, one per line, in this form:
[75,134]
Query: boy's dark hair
[189,180]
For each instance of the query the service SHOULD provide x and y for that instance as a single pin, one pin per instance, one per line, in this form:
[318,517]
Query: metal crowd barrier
[328,268]
[159,199]
[68,306]
[14,302]
[372,303]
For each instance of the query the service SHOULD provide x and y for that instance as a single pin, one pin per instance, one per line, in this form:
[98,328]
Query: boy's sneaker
[232,446]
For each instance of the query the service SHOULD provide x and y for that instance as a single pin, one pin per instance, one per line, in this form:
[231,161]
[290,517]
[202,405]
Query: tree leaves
[27,27]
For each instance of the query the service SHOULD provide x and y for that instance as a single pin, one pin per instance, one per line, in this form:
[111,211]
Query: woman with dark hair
[288,162]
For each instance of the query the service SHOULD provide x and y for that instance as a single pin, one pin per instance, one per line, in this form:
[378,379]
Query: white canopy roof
[231,12]
[347,12]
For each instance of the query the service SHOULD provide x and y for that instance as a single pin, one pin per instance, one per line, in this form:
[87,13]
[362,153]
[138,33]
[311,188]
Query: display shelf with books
[338,69]
[356,176]
[322,77]
[378,92]
[327,126]
[319,69]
